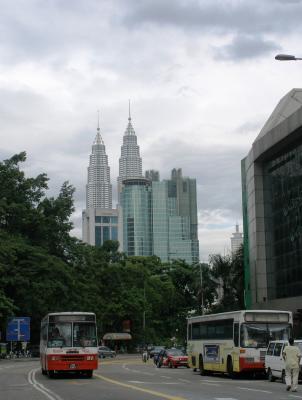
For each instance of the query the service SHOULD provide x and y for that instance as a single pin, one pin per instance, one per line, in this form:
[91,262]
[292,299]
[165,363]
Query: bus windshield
[84,335]
[59,335]
[258,335]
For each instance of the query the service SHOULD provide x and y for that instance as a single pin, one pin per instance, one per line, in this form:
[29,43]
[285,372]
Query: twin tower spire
[99,188]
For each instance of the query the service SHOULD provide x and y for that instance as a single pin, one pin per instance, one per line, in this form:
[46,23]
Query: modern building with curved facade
[272,211]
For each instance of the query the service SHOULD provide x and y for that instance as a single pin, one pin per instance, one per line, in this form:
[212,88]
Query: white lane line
[253,390]
[164,376]
[211,381]
[41,388]
[295,396]
[137,371]
[184,380]
[154,383]
[224,398]
[210,384]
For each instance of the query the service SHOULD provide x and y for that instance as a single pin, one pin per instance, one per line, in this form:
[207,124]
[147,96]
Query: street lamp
[201,288]
[286,57]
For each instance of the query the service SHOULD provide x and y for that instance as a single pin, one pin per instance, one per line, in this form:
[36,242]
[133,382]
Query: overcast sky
[201,77]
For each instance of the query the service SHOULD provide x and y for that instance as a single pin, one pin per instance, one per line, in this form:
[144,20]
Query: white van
[274,362]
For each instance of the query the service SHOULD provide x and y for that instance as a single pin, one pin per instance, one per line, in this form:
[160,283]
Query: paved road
[127,378]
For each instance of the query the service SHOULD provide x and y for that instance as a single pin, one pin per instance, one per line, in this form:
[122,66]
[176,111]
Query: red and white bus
[236,341]
[68,342]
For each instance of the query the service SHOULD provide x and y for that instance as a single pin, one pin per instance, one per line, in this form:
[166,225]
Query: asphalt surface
[128,378]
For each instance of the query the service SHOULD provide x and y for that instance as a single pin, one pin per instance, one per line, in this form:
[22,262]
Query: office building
[152,175]
[135,201]
[99,220]
[174,218]
[130,162]
[272,211]
[98,188]
[236,240]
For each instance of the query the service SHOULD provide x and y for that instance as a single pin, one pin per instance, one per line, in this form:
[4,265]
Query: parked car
[274,362]
[172,358]
[155,351]
[104,352]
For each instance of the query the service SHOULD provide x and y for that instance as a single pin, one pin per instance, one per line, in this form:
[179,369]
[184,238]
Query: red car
[172,358]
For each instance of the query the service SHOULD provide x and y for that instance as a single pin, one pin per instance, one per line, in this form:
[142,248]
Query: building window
[98,236]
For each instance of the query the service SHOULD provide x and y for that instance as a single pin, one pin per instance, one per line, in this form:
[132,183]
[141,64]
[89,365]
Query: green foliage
[228,271]
[43,269]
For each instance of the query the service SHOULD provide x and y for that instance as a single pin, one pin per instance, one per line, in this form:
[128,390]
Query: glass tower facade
[135,200]
[174,221]
[283,208]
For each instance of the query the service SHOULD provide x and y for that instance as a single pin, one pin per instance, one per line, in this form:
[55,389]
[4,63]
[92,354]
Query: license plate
[72,366]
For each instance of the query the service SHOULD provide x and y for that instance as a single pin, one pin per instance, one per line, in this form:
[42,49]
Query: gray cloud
[245,47]
[216,15]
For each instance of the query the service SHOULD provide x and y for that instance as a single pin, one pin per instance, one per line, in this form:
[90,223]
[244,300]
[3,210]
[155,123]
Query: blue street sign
[18,329]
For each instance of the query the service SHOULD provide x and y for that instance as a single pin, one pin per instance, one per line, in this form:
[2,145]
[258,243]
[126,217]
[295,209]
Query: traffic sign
[18,329]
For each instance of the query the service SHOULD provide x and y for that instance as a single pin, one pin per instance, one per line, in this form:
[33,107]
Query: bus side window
[236,334]
[44,333]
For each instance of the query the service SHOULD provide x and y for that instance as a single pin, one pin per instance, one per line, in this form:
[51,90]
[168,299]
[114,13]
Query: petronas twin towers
[99,188]
[151,217]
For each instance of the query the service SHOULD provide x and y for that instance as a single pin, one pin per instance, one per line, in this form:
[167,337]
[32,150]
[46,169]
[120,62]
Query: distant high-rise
[152,174]
[174,218]
[98,188]
[135,201]
[236,240]
[99,220]
[130,162]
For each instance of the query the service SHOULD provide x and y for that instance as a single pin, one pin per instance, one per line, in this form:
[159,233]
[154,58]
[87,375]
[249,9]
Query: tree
[228,270]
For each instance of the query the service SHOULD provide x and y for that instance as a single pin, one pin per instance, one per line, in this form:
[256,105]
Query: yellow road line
[153,392]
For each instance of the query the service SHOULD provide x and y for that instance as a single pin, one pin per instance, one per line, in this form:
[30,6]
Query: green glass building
[136,214]
[272,212]
[174,218]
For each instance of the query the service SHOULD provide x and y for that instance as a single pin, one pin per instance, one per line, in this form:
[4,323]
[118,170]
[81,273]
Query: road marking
[295,396]
[254,390]
[184,380]
[224,398]
[210,384]
[153,392]
[137,371]
[164,376]
[41,388]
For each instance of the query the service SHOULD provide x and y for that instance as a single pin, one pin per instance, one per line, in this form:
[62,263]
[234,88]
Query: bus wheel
[270,376]
[51,374]
[44,372]
[89,373]
[230,369]
[201,367]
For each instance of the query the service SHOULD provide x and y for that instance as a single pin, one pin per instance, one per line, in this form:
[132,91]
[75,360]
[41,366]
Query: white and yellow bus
[236,341]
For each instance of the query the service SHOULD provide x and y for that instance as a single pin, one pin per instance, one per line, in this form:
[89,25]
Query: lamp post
[286,57]
[201,288]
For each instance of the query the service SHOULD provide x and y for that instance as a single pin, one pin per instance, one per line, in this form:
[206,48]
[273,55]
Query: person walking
[291,355]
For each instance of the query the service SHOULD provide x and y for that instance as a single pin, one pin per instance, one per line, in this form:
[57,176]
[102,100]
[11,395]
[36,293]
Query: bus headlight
[55,358]
[90,358]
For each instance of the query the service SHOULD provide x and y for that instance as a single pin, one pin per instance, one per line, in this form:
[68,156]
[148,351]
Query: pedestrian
[292,356]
